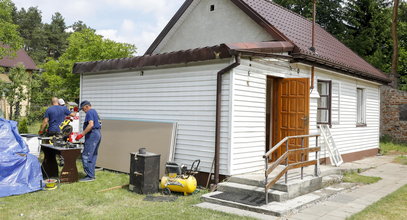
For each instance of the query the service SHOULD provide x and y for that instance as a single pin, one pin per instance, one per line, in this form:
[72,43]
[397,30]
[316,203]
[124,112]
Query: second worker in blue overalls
[91,131]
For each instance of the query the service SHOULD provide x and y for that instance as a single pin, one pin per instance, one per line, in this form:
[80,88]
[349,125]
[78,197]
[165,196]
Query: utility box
[33,143]
[144,172]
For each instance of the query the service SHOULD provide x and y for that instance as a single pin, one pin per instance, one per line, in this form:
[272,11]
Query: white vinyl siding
[249,82]
[347,136]
[185,95]
[335,102]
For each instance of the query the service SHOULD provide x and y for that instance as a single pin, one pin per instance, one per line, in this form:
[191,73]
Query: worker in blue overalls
[91,131]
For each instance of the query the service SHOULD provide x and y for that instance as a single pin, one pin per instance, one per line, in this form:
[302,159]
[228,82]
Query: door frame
[272,113]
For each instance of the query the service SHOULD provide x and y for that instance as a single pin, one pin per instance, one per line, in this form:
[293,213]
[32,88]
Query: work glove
[79,137]
[40,132]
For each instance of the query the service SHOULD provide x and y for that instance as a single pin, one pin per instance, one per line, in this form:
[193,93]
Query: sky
[127,21]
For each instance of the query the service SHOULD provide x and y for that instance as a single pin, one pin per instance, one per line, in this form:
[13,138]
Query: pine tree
[57,41]
[367,26]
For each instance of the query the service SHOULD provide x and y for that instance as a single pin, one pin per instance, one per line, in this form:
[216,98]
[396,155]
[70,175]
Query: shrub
[22,126]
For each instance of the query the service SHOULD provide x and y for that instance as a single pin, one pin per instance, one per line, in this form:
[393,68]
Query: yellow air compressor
[179,178]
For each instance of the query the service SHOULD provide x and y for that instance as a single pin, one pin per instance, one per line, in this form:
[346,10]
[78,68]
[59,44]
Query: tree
[394,36]
[402,37]
[16,90]
[368,31]
[56,36]
[84,45]
[80,26]
[329,13]
[9,36]
[32,30]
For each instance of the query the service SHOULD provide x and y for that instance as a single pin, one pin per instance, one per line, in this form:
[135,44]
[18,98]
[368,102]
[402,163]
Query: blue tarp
[20,172]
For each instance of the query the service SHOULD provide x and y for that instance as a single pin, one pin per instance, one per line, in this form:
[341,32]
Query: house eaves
[184,56]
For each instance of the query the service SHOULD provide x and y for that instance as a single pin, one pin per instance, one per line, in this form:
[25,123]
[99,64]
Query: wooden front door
[291,114]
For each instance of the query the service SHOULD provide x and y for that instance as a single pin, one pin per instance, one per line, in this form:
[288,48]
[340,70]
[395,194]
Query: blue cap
[83,103]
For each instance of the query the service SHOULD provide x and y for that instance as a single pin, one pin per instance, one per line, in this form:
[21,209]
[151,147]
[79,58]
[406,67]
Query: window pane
[360,107]
[323,102]
[323,88]
[323,116]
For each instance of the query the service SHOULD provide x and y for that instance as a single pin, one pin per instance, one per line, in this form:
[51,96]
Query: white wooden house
[264,61]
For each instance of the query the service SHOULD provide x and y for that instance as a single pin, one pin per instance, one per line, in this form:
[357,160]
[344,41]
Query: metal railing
[284,157]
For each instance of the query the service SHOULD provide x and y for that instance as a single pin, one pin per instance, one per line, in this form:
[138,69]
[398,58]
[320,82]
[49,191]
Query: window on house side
[324,102]
[361,107]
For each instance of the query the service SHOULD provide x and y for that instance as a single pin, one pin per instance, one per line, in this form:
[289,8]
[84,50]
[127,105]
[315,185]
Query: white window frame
[360,107]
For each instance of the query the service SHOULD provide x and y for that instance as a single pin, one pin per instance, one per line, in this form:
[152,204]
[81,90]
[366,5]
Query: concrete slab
[334,202]
[393,177]
[235,211]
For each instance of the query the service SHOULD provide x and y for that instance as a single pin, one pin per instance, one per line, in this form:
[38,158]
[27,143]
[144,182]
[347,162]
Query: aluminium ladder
[334,155]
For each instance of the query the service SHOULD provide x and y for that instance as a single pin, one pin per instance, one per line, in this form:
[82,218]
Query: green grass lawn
[353,177]
[34,127]
[391,207]
[401,160]
[81,201]
[393,148]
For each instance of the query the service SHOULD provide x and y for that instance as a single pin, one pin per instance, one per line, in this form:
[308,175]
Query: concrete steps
[257,204]
[246,192]
[294,187]
[238,188]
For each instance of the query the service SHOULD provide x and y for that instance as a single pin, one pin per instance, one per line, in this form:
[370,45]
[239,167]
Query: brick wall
[393,114]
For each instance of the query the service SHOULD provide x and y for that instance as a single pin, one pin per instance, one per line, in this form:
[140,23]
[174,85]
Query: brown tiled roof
[285,25]
[297,29]
[21,57]
[184,56]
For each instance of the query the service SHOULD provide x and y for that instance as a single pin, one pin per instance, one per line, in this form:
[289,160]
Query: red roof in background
[297,29]
[21,57]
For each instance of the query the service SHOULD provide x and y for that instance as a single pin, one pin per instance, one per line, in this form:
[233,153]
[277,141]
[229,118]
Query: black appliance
[144,172]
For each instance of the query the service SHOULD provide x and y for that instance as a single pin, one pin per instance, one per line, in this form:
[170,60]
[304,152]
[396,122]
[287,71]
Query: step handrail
[285,156]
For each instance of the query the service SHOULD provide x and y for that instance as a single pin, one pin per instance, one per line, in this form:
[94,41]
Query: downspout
[218,113]
[313,41]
